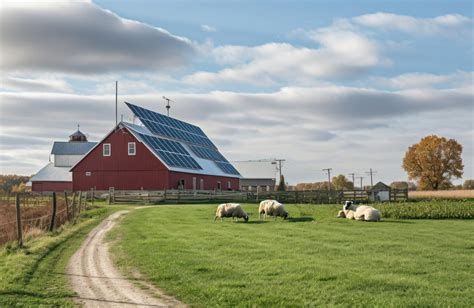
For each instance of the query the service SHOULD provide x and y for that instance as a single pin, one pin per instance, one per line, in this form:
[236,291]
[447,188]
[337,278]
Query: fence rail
[201,196]
[26,214]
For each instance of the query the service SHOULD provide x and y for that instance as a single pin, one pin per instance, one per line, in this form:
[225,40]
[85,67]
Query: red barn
[160,153]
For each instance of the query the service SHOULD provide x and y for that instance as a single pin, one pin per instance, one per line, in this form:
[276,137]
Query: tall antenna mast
[116,102]
[168,104]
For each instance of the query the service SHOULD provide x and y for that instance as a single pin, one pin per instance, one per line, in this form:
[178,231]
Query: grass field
[313,259]
[35,276]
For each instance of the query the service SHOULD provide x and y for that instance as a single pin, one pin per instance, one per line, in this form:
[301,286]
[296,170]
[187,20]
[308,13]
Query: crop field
[441,194]
[311,259]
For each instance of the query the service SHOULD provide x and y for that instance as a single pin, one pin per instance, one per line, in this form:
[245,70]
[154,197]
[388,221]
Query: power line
[361,177]
[329,177]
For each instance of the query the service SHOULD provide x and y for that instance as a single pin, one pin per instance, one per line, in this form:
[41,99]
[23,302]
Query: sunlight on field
[441,194]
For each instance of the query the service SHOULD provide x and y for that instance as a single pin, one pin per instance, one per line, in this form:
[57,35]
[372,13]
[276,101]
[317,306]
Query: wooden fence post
[53,216]
[18,220]
[74,206]
[80,203]
[67,206]
[92,197]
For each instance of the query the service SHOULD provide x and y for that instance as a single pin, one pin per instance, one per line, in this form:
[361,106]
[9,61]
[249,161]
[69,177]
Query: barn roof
[52,173]
[157,144]
[180,145]
[71,148]
[380,186]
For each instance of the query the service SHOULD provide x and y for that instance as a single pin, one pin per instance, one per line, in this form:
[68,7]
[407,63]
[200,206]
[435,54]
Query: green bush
[428,210]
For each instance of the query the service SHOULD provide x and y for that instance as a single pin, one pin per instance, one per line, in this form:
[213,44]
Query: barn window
[106,149]
[201,184]
[229,185]
[194,183]
[132,148]
[219,185]
[88,173]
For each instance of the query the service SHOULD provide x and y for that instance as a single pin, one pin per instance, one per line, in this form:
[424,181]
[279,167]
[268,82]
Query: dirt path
[99,284]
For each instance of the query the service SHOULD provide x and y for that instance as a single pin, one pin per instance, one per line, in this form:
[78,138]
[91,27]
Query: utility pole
[353,179]
[279,164]
[329,177]
[371,173]
[168,104]
[361,187]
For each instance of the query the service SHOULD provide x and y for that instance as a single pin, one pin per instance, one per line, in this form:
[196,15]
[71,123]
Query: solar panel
[207,153]
[171,152]
[168,127]
[215,156]
[227,168]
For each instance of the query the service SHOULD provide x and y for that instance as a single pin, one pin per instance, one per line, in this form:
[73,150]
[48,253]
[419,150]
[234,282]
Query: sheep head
[347,205]
[246,218]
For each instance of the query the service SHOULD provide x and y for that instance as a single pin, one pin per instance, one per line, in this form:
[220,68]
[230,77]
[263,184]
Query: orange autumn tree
[433,162]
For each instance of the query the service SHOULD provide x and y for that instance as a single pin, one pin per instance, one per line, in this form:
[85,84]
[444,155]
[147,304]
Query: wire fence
[25,215]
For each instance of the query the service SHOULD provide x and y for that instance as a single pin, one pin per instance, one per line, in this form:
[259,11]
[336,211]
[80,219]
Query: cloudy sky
[321,84]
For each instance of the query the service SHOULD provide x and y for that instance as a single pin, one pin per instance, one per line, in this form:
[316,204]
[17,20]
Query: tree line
[13,183]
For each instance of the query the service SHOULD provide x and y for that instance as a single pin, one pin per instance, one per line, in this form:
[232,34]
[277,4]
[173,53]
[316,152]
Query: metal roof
[53,174]
[256,169]
[71,148]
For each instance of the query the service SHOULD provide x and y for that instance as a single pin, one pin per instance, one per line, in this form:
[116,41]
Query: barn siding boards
[210,181]
[120,170]
[49,186]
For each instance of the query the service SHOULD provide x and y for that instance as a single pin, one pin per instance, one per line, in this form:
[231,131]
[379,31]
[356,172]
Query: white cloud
[413,25]
[45,84]
[425,80]
[343,53]
[207,28]
[80,37]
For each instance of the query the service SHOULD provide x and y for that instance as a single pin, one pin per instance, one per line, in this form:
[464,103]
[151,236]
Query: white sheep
[363,212]
[272,208]
[233,210]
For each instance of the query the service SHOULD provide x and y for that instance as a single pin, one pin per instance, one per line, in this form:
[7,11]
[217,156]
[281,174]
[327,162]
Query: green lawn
[315,259]
[35,276]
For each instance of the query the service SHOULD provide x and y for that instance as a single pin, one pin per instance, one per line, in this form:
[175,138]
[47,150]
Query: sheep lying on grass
[272,208]
[233,210]
[363,212]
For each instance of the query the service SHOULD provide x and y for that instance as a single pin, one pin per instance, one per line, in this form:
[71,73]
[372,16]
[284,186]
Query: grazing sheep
[233,210]
[272,208]
[363,212]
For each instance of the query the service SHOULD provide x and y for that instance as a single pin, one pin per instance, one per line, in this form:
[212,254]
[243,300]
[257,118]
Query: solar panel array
[227,167]
[215,156]
[172,152]
[168,127]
